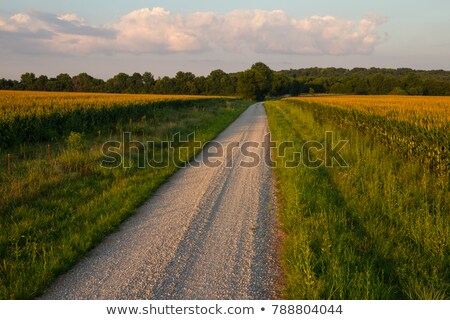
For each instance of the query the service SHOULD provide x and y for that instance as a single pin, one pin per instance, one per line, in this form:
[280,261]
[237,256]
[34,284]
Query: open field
[425,111]
[54,211]
[45,116]
[417,127]
[35,102]
[378,228]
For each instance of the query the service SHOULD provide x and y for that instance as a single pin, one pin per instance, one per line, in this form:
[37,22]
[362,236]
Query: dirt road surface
[210,232]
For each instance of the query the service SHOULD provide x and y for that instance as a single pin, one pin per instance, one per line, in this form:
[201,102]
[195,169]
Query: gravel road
[207,233]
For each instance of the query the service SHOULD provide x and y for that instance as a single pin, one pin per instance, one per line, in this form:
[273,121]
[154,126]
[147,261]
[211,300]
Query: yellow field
[417,109]
[42,116]
[26,102]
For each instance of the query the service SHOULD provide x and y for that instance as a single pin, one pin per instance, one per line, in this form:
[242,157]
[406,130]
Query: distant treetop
[256,83]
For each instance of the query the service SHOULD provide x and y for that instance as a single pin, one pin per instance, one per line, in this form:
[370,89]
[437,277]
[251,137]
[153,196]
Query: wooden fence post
[9,164]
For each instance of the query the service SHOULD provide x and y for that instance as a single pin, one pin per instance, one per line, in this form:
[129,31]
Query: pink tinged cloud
[159,31]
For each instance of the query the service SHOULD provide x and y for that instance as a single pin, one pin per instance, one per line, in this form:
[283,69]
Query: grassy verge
[51,214]
[377,229]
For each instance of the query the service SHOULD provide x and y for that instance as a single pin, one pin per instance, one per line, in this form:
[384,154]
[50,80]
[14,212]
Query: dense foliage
[255,83]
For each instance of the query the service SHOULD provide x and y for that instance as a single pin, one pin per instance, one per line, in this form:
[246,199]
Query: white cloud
[71,17]
[21,18]
[157,30]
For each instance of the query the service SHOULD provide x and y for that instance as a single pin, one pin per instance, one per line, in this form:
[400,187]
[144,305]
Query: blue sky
[107,37]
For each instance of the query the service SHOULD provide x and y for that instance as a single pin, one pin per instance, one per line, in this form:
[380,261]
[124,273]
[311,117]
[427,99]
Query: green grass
[378,229]
[51,214]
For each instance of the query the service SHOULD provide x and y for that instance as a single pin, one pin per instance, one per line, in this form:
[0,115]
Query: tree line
[257,83]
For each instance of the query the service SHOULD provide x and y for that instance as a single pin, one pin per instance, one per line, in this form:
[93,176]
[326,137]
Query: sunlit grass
[378,229]
[52,213]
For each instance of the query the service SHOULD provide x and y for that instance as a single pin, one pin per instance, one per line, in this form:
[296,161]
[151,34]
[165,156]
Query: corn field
[415,126]
[424,111]
[27,117]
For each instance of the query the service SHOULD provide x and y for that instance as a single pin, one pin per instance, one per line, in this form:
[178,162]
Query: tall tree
[184,82]
[120,83]
[86,83]
[247,86]
[27,81]
[214,82]
[263,78]
[136,84]
[149,82]
[64,82]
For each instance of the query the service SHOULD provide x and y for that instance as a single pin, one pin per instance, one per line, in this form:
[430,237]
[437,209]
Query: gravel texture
[207,233]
